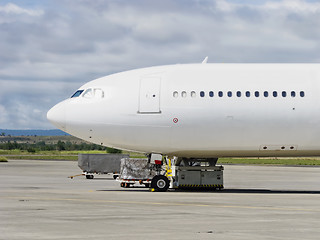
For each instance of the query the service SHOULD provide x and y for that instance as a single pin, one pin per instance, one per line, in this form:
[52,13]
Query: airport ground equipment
[176,173]
[92,164]
[136,171]
[190,173]
[198,174]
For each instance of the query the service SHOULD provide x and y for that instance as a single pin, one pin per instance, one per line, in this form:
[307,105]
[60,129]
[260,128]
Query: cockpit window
[93,93]
[88,93]
[77,93]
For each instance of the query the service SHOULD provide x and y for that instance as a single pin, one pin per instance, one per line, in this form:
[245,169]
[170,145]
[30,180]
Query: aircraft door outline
[149,98]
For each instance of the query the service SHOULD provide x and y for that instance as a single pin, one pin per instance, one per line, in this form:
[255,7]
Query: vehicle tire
[89,176]
[160,183]
[115,176]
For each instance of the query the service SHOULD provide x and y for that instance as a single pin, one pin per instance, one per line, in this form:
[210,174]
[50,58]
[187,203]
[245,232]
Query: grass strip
[3,159]
[73,156]
[51,153]
[45,157]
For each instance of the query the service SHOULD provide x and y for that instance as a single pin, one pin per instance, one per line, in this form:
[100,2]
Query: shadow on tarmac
[100,178]
[267,191]
[225,191]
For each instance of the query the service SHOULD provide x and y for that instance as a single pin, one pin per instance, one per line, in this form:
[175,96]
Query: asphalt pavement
[39,201]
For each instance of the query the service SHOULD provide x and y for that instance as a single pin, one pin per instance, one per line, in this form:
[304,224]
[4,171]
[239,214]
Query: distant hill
[51,132]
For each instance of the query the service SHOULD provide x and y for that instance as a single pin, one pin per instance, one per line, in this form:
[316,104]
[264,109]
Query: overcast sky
[50,48]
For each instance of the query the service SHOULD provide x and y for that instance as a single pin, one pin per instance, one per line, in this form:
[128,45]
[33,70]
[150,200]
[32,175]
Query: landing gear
[160,183]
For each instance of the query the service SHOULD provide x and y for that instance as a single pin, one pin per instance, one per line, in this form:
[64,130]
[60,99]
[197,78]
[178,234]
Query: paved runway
[38,201]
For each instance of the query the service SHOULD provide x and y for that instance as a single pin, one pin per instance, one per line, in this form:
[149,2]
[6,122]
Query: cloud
[11,8]
[26,104]
[293,6]
[4,115]
[49,48]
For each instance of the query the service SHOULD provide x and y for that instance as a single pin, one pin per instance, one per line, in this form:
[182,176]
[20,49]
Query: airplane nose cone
[57,116]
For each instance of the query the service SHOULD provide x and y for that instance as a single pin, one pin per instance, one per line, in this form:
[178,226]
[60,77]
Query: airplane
[200,111]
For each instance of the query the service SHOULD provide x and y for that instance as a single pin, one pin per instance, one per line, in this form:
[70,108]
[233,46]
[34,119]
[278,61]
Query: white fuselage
[200,110]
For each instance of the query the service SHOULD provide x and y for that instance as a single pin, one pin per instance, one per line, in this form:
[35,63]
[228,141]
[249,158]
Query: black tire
[160,183]
[115,176]
[89,176]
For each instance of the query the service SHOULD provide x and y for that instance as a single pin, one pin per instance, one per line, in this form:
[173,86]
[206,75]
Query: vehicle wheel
[160,183]
[122,184]
[89,176]
[115,176]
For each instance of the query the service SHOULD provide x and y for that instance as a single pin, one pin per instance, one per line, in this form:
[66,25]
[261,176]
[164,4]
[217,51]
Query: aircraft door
[149,101]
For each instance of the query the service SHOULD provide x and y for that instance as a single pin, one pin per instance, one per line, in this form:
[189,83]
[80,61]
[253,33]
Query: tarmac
[39,201]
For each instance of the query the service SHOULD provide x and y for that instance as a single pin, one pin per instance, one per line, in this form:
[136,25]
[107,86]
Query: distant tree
[61,146]
[68,146]
[41,145]
[31,150]
[8,146]
[113,150]
[3,134]
[33,146]
[15,145]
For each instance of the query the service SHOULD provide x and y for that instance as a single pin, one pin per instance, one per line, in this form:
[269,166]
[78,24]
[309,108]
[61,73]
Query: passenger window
[238,94]
[220,94]
[202,94]
[275,94]
[184,94]
[88,93]
[256,93]
[302,94]
[284,94]
[247,94]
[211,94]
[77,93]
[175,94]
[229,94]
[293,94]
[193,94]
[266,94]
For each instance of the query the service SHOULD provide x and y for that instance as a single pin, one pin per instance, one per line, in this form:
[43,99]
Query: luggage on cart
[134,171]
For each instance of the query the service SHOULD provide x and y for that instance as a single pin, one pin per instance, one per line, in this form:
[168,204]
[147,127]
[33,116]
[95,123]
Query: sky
[48,49]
